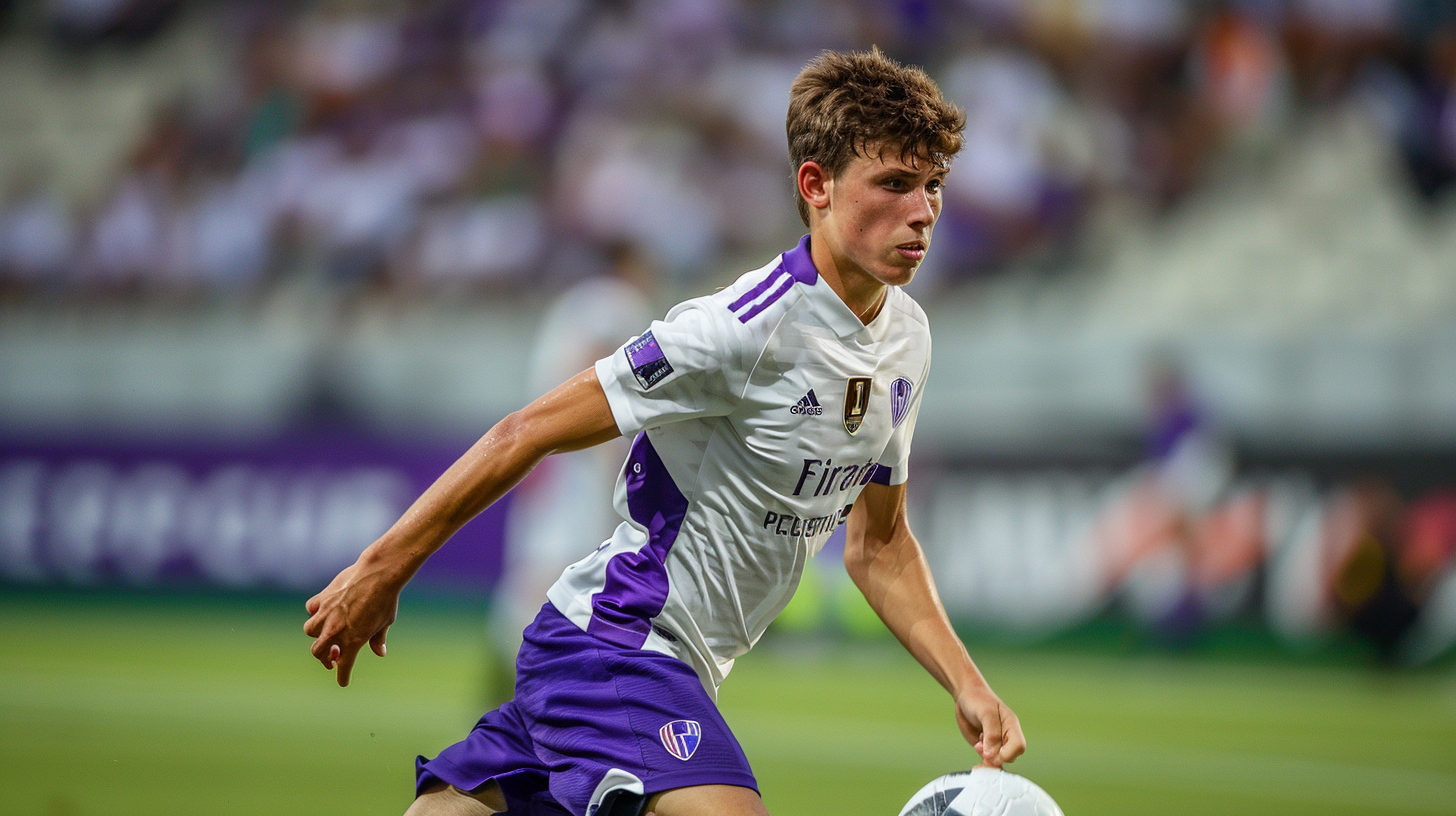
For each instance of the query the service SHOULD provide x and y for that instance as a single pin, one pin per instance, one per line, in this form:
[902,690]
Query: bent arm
[572,416]
[885,561]
[359,605]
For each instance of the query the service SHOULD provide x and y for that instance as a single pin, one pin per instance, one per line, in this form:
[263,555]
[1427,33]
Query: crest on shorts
[899,400]
[680,738]
[856,403]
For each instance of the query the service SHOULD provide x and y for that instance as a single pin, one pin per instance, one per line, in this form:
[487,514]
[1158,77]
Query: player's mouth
[914,250]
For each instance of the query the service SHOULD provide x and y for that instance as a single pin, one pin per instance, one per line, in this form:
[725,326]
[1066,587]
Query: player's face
[881,213]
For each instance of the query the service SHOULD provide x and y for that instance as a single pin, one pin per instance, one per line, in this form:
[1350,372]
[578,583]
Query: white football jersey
[760,413]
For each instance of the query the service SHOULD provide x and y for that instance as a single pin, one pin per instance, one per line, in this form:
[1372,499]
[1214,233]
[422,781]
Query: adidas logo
[807,404]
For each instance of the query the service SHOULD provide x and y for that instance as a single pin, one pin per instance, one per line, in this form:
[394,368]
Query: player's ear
[814,184]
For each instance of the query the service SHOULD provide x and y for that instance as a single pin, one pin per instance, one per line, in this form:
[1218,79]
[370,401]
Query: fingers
[320,649]
[992,728]
[991,733]
[971,733]
[1015,741]
[314,626]
[344,617]
[326,647]
[346,665]
[340,656]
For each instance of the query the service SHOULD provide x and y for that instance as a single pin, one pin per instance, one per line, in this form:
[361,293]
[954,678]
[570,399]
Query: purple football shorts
[593,725]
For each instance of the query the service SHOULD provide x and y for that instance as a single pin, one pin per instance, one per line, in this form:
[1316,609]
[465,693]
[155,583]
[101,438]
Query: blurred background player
[566,502]
[1182,545]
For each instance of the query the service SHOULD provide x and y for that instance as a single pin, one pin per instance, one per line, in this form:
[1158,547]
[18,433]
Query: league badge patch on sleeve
[649,364]
[899,400]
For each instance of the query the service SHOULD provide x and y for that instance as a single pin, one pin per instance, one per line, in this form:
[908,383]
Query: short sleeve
[684,367]
[894,464]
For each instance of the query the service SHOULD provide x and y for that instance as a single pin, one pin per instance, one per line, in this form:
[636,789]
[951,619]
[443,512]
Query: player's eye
[935,185]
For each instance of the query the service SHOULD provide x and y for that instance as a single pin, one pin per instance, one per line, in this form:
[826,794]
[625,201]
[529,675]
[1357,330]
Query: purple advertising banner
[287,513]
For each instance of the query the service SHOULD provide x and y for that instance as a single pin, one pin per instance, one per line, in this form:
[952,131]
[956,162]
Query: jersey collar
[835,312]
[799,263]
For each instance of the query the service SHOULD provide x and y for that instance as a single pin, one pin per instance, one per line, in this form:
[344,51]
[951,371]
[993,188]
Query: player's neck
[857,288]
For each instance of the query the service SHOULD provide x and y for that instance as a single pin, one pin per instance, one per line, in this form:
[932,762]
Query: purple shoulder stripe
[636,584]
[772,298]
[797,264]
[752,294]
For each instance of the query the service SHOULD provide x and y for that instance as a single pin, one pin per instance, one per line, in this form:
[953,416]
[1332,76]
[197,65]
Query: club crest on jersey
[808,405]
[856,403]
[899,400]
[649,364]
[681,737]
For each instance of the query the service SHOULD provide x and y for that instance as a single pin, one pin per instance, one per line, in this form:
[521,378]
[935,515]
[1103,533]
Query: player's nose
[920,208]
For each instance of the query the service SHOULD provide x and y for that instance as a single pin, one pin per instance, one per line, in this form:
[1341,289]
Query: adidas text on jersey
[808,404]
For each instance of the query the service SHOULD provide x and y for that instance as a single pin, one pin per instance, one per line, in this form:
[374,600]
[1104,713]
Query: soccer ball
[981,792]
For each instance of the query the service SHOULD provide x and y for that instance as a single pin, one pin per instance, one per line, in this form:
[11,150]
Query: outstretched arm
[886,563]
[359,605]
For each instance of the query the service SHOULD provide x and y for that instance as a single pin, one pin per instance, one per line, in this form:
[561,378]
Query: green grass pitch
[116,704]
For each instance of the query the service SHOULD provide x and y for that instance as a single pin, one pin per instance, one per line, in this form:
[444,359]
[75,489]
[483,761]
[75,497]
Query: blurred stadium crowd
[482,144]
[1257,193]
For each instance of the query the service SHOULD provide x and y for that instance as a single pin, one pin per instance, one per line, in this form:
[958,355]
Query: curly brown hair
[847,104]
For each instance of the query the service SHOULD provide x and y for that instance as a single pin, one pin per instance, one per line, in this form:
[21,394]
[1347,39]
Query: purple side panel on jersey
[881,475]
[768,301]
[752,294]
[801,264]
[636,584]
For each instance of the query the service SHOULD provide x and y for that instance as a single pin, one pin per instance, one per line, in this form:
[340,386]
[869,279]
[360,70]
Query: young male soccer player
[764,415]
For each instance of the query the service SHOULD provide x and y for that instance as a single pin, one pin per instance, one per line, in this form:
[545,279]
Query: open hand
[991,726]
[357,607]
